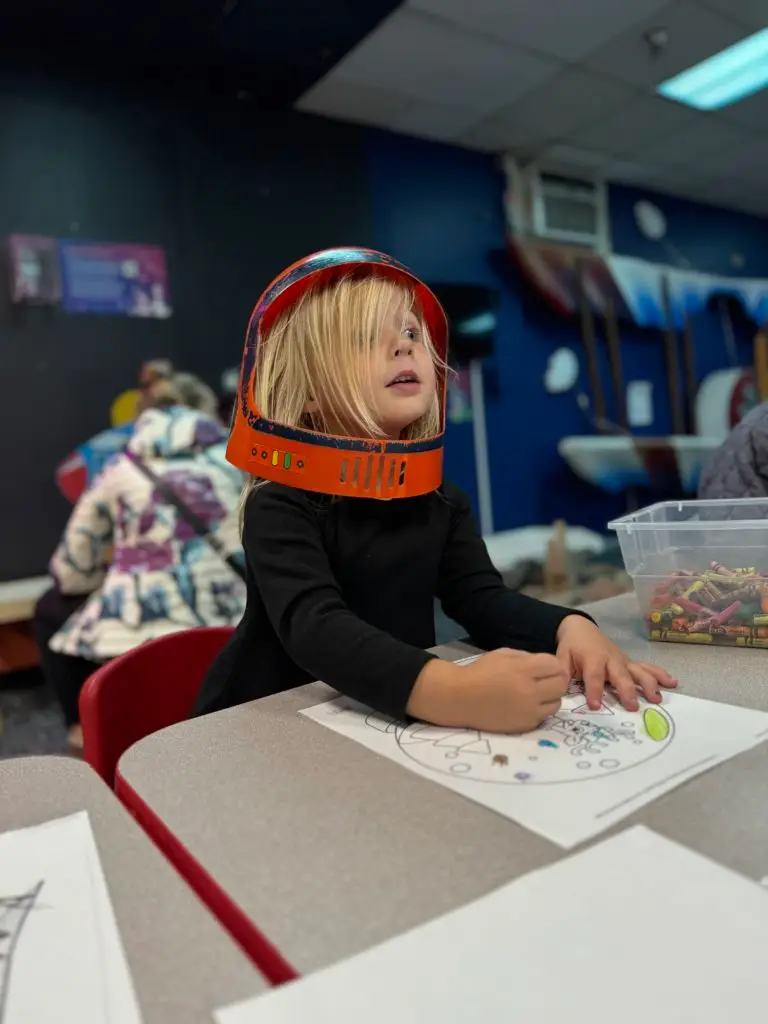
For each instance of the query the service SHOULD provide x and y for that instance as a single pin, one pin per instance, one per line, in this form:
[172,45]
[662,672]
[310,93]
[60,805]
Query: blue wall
[705,235]
[439,209]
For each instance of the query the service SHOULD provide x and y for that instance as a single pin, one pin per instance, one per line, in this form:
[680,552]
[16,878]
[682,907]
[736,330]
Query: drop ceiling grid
[571,84]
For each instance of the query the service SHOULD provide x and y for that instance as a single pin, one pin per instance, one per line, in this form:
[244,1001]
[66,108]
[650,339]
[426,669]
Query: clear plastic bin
[700,570]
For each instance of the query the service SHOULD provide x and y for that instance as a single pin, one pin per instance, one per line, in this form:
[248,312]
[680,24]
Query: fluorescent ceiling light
[725,78]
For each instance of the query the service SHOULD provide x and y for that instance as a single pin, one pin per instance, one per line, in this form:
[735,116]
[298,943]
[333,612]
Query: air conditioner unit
[556,206]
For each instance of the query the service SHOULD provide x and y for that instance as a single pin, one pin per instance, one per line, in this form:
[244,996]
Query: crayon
[747,612]
[687,638]
[718,605]
[726,614]
[690,606]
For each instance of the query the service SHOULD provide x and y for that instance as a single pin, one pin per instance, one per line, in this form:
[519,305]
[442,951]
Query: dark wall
[232,196]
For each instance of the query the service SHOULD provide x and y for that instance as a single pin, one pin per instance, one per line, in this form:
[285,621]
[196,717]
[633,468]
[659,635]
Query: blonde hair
[312,355]
[155,369]
[181,389]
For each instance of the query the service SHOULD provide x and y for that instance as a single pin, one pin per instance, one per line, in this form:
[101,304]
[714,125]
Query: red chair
[147,689]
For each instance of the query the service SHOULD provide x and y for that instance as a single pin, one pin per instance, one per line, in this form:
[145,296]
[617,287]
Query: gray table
[184,965]
[330,848]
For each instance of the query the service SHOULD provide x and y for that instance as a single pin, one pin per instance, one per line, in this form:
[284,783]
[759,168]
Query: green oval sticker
[656,724]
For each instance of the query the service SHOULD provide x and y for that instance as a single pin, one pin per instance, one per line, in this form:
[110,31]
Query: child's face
[403,374]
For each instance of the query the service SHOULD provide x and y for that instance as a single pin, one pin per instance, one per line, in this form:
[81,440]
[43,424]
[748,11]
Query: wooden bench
[17,605]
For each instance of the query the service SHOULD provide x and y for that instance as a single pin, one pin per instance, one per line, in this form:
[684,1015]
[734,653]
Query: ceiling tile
[695,32]
[705,139]
[751,113]
[335,96]
[427,59]
[550,113]
[681,183]
[489,136]
[569,31]
[735,196]
[496,135]
[563,155]
[643,122]
[752,171]
[630,172]
[566,103]
[434,121]
[753,13]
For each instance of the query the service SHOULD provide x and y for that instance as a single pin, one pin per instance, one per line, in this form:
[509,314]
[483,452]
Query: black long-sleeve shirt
[343,590]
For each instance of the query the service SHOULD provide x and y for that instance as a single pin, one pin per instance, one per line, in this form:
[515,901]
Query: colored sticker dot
[547,743]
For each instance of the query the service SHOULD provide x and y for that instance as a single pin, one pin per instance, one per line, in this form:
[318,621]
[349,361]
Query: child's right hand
[503,691]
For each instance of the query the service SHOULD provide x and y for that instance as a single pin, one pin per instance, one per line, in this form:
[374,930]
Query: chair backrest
[144,690]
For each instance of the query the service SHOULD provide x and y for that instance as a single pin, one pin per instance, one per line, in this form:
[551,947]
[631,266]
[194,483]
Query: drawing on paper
[61,958]
[623,759]
[572,745]
[14,911]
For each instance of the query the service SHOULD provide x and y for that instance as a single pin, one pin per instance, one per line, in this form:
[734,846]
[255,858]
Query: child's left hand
[591,657]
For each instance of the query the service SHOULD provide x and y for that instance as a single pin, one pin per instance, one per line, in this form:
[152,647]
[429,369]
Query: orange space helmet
[311,461]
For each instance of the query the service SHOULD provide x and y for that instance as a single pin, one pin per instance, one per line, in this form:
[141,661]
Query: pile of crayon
[718,606]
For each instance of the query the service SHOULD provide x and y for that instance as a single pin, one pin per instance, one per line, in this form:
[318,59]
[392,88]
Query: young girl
[350,534]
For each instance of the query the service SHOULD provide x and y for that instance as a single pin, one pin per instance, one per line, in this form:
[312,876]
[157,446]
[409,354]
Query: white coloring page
[580,772]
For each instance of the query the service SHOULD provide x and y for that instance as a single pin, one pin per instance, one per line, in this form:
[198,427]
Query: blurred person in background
[81,466]
[192,391]
[739,467]
[140,567]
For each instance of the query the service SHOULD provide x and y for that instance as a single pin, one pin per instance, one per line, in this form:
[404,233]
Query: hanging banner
[632,288]
[115,278]
[35,269]
[641,285]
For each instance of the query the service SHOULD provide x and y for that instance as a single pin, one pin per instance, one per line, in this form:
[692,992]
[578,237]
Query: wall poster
[35,269]
[115,278]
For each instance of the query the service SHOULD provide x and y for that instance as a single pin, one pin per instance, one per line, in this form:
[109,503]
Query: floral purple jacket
[160,577]
[739,467]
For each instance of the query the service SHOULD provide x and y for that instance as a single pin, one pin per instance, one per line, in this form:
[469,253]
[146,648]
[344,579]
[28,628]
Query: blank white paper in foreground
[64,960]
[635,929]
[576,775]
